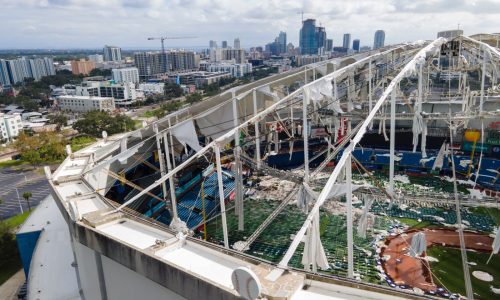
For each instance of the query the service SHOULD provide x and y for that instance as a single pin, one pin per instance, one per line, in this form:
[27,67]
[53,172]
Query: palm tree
[27,196]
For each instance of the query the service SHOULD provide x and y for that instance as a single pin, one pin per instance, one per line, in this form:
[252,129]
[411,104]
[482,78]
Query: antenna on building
[302,14]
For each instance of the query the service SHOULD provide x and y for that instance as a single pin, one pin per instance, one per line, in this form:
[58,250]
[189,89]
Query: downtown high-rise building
[355,45]
[4,73]
[212,44]
[237,44]
[181,60]
[126,75]
[224,44]
[320,40]
[307,40]
[150,64]
[41,67]
[329,45]
[13,71]
[112,53]
[312,39]
[346,42]
[379,39]
[278,46]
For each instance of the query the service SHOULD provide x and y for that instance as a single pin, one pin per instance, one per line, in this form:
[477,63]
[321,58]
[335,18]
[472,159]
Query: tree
[95,122]
[171,106]
[27,196]
[100,72]
[172,90]
[59,119]
[193,98]
[40,148]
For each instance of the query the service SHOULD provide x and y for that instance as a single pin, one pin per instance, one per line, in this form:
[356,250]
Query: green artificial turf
[448,271]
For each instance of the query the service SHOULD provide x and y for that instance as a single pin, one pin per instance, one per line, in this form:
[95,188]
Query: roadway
[30,181]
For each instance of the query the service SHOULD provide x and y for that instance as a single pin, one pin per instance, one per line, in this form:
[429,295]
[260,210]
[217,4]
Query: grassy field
[449,271]
[11,163]
[81,142]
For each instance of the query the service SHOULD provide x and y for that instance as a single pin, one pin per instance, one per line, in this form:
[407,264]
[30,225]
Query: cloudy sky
[128,23]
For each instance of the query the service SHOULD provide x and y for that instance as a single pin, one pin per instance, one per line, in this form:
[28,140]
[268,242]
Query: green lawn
[449,271]
[11,163]
[81,142]
[16,220]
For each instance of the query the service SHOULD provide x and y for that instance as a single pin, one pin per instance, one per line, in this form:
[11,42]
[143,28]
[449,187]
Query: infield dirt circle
[415,272]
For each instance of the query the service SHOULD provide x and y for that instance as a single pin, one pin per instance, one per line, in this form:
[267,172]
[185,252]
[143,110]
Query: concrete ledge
[183,283]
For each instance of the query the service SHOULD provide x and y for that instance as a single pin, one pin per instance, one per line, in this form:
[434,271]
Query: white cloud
[93,23]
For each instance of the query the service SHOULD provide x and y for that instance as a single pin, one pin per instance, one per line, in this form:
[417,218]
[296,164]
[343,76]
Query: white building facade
[10,126]
[97,58]
[124,93]
[112,53]
[126,75]
[85,103]
[236,70]
[152,88]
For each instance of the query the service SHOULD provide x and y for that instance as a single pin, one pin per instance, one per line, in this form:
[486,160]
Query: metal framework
[339,88]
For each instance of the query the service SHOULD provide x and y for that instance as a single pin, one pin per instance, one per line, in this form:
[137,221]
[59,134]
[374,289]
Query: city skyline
[37,24]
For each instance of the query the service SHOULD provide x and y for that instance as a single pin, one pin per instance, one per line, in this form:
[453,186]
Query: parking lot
[13,184]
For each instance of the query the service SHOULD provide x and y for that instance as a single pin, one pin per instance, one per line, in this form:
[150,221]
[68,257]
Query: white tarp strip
[423,143]
[495,246]
[417,128]
[363,221]
[438,162]
[496,242]
[320,89]
[313,249]
[322,69]
[418,244]
[217,122]
[185,133]
[304,197]
[266,90]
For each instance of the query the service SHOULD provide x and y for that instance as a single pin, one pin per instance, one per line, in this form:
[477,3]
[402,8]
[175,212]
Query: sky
[42,24]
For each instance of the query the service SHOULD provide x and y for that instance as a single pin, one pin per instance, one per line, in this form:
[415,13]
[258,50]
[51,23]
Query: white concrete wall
[87,269]
[123,283]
